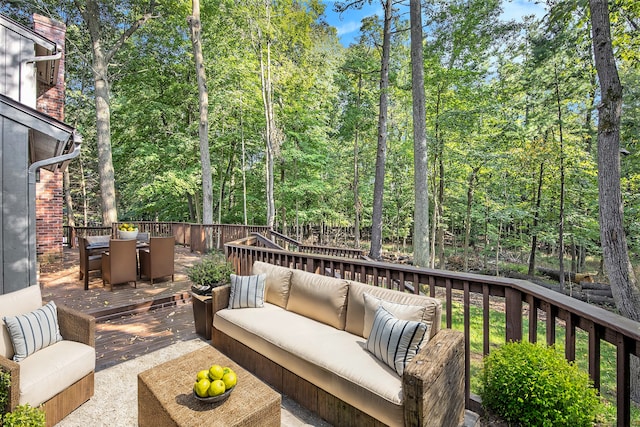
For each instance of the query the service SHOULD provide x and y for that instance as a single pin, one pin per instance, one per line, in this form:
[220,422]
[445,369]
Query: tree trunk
[381,156]
[534,237]
[90,12]
[356,172]
[467,223]
[624,285]
[420,174]
[195,25]
[614,242]
[561,215]
[68,201]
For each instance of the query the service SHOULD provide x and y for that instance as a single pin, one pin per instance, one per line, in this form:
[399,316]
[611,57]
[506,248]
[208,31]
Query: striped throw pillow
[33,331]
[247,291]
[395,341]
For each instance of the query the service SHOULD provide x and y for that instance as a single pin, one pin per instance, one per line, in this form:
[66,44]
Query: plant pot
[202,314]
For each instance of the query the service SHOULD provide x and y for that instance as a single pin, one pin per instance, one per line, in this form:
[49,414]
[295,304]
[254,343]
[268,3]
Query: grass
[497,338]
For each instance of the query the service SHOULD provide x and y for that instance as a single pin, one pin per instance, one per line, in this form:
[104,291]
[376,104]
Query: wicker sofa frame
[433,383]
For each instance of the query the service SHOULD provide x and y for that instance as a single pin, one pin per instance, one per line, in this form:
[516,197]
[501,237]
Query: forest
[510,107]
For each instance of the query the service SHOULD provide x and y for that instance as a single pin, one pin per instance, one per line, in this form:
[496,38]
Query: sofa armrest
[220,298]
[77,326]
[433,383]
[13,368]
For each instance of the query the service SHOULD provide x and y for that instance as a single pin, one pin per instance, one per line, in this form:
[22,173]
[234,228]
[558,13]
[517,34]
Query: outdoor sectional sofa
[309,341]
[56,346]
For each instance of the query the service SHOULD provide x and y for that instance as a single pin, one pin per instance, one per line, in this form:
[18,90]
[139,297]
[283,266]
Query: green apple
[215,372]
[202,387]
[229,379]
[216,388]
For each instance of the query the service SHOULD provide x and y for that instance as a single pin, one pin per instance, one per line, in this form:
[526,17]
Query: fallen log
[603,292]
[595,285]
[568,276]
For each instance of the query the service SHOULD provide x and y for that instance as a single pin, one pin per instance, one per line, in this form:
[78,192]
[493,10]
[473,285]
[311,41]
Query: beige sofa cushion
[400,311]
[14,303]
[356,307]
[53,369]
[309,349]
[278,282]
[319,298]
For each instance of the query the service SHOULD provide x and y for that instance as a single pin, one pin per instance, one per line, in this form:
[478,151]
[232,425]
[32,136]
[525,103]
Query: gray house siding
[17,267]
[17,76]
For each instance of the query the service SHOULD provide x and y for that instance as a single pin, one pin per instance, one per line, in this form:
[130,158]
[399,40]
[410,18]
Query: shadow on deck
[130,322]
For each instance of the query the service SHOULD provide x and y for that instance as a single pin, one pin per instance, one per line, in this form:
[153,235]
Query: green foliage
[24,416]
[534,385]
[5,383]
[212,270]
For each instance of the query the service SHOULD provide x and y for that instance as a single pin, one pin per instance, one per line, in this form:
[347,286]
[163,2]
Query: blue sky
[348,24]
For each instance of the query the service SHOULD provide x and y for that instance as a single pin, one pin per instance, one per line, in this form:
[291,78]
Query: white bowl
[128,234]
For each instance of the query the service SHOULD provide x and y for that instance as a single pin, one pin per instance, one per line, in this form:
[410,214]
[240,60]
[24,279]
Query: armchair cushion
[33,331]
[50,370]
[395,341]
[247,291]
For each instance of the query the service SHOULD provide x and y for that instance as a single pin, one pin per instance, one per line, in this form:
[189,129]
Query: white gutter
[31,200]
[23,72]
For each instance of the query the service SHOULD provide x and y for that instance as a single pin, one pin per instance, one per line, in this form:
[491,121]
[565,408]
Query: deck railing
[519,300]
[295,246]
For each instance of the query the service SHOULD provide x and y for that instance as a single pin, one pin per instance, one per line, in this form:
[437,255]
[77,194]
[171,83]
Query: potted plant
[212,271]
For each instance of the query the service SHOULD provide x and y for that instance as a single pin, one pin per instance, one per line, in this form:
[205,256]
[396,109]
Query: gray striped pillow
[247,291]
[33,331]
[395,341]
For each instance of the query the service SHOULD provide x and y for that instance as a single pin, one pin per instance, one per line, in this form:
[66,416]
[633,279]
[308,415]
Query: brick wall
[49,200]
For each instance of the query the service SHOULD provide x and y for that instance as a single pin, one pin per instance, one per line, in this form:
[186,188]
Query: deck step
[102,314]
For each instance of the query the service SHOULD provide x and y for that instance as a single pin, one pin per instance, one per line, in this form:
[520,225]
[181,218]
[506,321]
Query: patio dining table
[103,246]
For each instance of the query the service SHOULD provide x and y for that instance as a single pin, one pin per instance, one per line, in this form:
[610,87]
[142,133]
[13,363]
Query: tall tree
[375,251]
[624,284]
[104,49]
[195,24]
[420,174]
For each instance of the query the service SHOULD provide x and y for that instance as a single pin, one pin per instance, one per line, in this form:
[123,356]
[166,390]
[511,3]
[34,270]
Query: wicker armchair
[157,261]
[67,367]
[88,262]
[119,265]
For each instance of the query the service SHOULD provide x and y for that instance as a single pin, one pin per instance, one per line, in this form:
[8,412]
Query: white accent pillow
[401,311]
[33,331]
[247,291]
[395,341]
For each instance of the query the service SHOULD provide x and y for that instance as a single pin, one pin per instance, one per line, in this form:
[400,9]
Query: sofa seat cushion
[53,369]
[334,360]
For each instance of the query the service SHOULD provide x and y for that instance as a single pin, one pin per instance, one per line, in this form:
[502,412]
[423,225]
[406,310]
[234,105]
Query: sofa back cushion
[278,282]
[356,308]
[14,303]
[319,298]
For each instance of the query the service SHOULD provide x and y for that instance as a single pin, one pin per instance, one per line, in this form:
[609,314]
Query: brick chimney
[49,191]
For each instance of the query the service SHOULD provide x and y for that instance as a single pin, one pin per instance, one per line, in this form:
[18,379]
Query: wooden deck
[130,322]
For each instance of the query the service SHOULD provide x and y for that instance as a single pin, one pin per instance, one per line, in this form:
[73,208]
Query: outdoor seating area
[126,260]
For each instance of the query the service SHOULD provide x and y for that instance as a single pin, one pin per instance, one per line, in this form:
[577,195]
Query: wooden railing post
[513,313]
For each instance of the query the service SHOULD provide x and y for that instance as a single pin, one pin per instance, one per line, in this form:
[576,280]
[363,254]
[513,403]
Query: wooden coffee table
[165,395]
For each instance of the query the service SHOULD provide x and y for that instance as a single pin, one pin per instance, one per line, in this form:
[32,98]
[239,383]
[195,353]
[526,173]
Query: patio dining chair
[157,260]
[119,264]
[88,262]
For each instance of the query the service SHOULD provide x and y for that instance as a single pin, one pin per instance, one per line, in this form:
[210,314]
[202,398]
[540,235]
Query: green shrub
[5,383]
[534,385]
[24,416]
[213,270]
